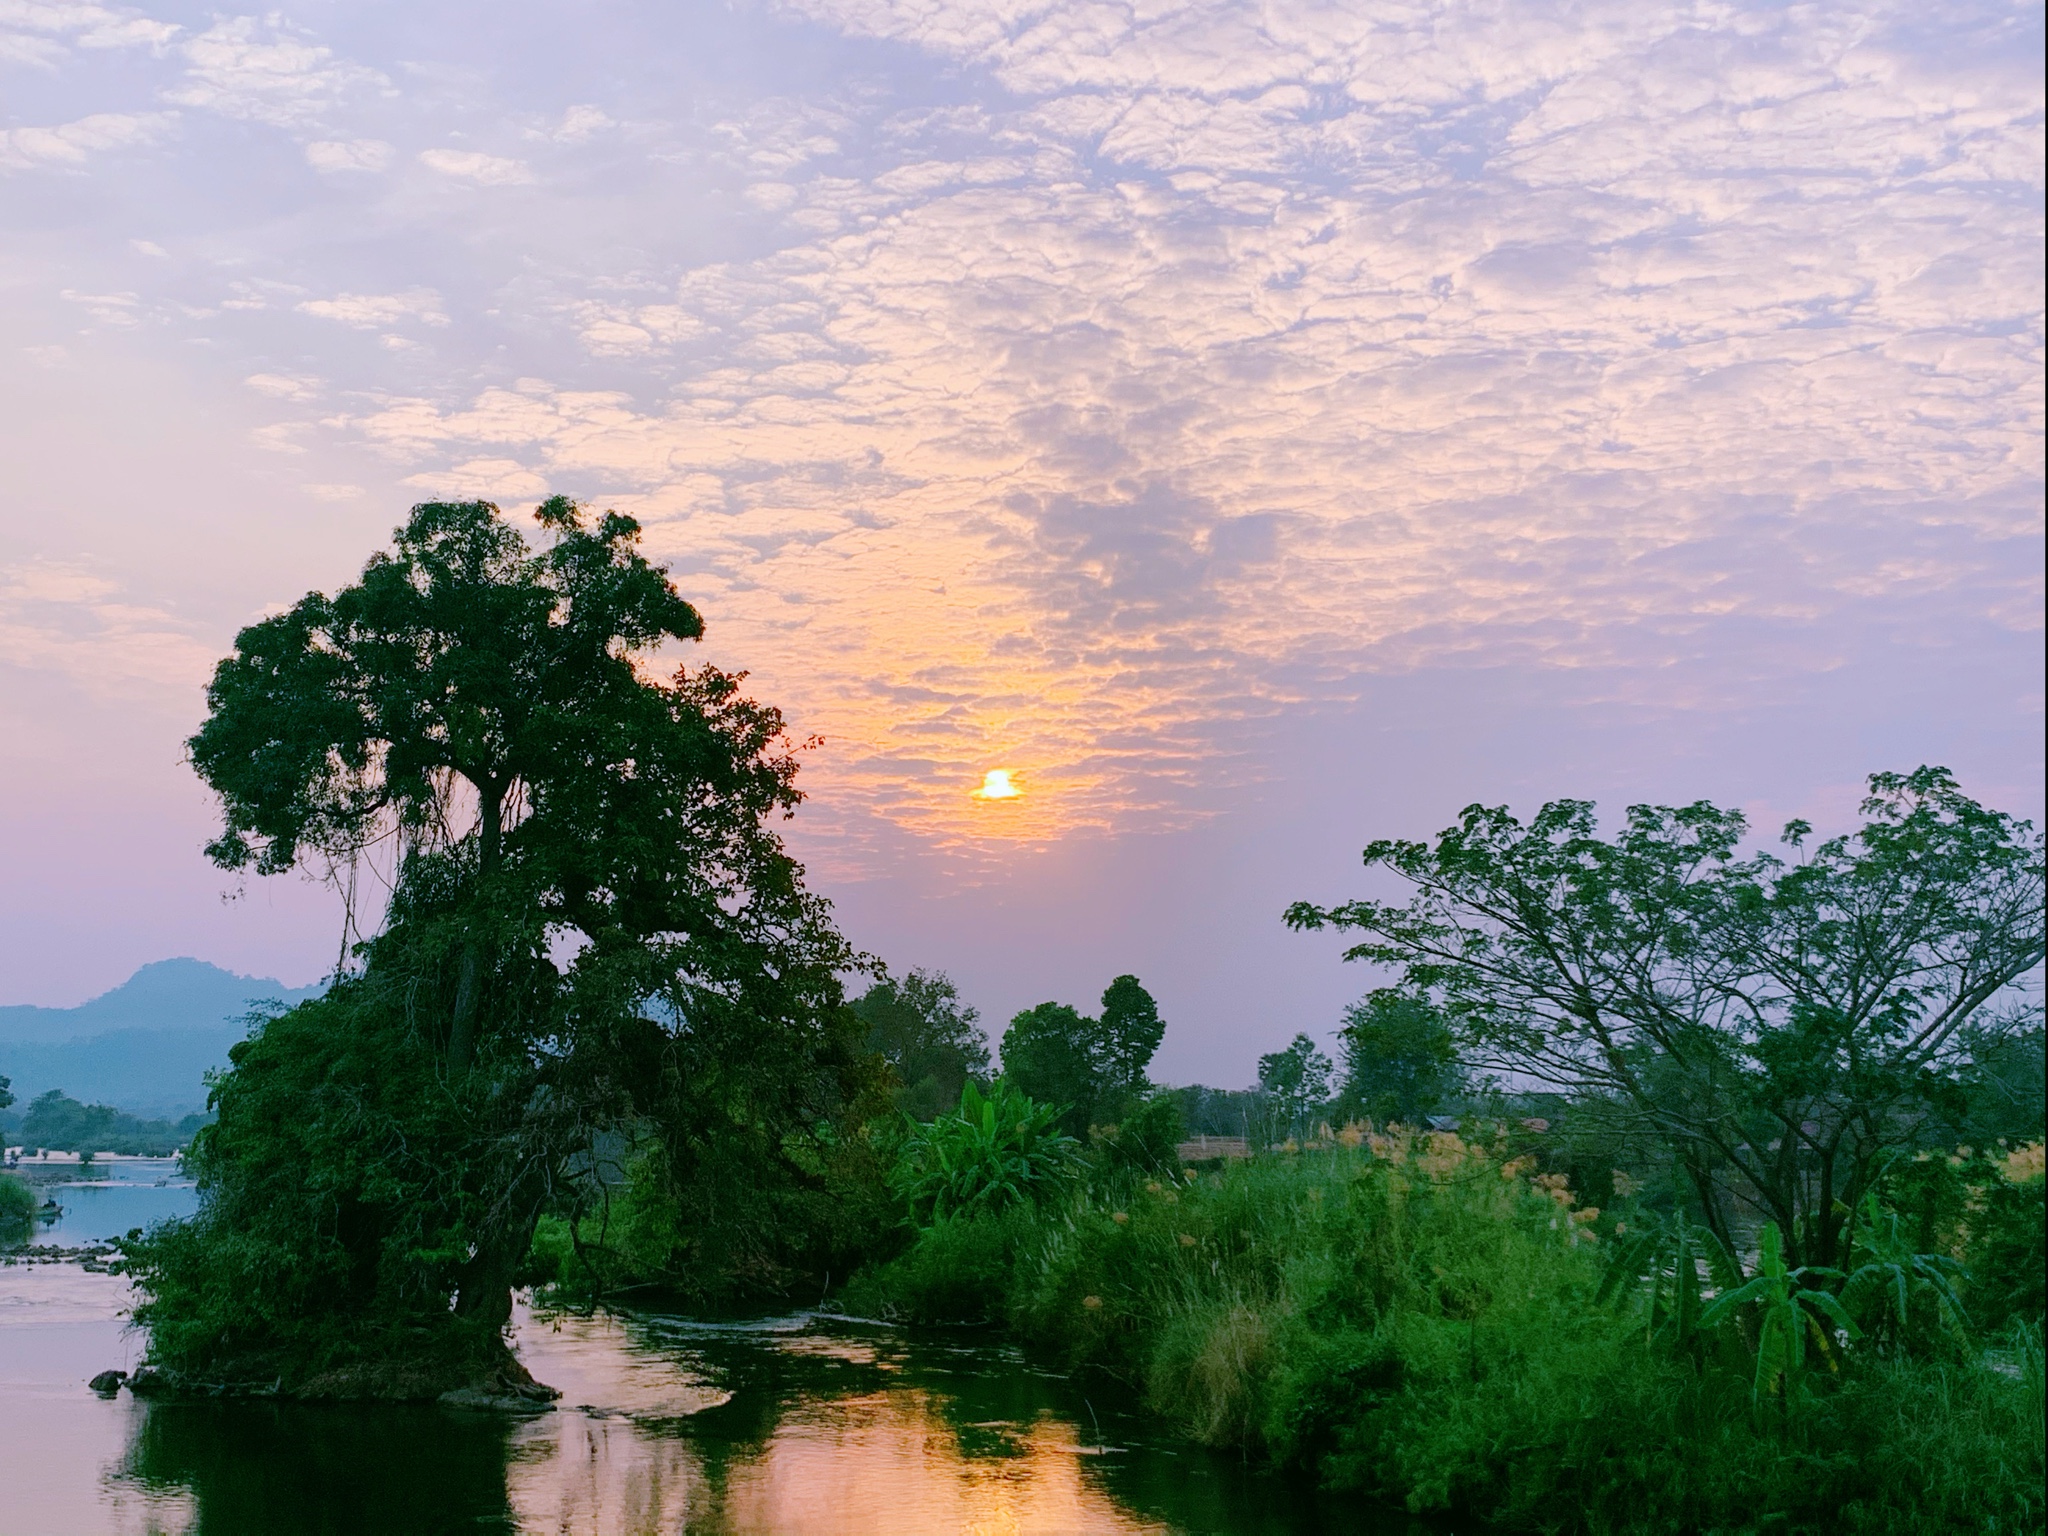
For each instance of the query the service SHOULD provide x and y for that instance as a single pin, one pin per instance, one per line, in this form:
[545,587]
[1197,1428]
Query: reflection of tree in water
[994,1404]
[297,1470]
[967,1407]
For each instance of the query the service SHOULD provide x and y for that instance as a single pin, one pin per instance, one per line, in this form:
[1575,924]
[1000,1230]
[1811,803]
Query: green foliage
[1669,1254]
[1419,1321]
[1094,1068]
[957,1271]
[593,935]
[930,1040]
[59,1122]
[6,1092]
[2008,1254]
[1780,1029]
[1146,1141]
[1223,1111]
[1129,1035]
[18,1203]
[1297,1082]
[1788,1312]
[997,1150]
[1400,1062]
[1902,1299]
[1048,1054]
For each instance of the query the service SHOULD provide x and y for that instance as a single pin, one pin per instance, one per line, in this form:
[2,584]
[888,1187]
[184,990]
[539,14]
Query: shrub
[17,1202]
[1421,1321]
[997,1150]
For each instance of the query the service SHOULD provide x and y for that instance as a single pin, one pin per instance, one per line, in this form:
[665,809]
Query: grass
[1416,1319]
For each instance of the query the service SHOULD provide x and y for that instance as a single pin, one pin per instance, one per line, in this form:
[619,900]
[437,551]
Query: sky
[1258,428]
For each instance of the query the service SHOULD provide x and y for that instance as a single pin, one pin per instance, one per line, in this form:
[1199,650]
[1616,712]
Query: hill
[145,1046]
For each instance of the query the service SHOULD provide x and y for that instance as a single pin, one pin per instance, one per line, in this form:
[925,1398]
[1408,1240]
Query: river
[801,1423]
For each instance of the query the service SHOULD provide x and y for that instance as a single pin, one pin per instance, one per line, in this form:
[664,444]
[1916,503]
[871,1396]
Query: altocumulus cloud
[1068,385]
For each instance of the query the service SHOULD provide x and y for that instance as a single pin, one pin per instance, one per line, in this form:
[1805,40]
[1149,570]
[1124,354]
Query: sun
[996,785]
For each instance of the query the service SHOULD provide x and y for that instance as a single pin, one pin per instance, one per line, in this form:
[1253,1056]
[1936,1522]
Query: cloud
[581,123]
[69,145]
[65,617]
[1082,386]
[342,155]
[284,386]
[34,31]
[373,311]
[469,165]
[265,71]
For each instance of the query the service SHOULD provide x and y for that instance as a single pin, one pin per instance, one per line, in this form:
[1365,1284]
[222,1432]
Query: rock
[107,1383]
[494,1402]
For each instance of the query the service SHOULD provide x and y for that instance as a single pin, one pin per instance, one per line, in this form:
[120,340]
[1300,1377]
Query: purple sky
[1259,429]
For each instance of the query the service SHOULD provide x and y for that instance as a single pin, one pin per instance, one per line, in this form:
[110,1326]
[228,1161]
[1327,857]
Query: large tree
[593,932]
[1781,1028]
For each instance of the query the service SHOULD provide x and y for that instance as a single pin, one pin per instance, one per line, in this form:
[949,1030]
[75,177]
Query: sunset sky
[1252,428]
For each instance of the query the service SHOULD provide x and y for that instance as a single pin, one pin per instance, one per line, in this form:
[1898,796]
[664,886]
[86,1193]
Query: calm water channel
[793,1424]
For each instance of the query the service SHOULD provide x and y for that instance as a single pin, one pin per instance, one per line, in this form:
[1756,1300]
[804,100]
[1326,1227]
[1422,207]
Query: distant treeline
[56,1122]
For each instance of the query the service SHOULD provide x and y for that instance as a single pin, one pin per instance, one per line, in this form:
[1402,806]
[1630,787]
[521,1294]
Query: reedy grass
[1415,1319]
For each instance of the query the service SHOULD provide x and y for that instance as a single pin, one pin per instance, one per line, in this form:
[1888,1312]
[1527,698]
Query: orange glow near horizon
[996,785]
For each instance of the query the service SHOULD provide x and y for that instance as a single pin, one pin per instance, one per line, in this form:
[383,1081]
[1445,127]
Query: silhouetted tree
[1130,1032]
[1047,1054]
[592,927]
[929,1038]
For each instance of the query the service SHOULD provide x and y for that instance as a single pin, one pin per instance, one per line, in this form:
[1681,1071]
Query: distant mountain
[144,1047]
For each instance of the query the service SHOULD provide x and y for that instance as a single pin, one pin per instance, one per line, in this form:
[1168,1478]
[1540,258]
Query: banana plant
[1889,1274]
[999,1149]
[1789,1312]
[1669,1254]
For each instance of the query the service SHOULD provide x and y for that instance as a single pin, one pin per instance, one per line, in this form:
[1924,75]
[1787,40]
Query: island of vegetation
[1664,1184]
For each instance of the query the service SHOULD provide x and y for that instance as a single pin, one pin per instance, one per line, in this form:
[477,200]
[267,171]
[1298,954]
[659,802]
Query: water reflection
[667,1425]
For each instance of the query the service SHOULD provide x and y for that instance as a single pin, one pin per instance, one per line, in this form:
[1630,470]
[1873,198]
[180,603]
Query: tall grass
[1415,1318]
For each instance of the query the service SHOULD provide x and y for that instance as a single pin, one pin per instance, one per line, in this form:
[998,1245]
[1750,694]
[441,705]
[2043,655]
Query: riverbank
[1421,1321]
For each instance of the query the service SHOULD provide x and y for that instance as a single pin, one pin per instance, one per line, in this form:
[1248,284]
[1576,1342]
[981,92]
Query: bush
[997,1150]
[1419,1320]
[18,1202]
[2009,1238]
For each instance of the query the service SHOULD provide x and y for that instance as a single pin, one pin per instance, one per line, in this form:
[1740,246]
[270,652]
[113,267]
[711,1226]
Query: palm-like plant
[1889,1275]
[1668,1254]
[997,1150]
[1789,1311]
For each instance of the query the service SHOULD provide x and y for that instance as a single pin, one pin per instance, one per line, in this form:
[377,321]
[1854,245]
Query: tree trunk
[462,1030]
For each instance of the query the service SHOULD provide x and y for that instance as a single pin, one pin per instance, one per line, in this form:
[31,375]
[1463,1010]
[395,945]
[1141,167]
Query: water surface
[801,1424]
[108,1197]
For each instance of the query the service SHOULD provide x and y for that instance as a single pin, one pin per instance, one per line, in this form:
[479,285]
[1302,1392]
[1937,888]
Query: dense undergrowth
[1422,1320]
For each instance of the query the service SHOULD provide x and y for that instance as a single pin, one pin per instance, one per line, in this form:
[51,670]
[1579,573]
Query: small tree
[1298,1079]
[1777,1027]
[1400,1062]
[1095,1067]
[1046,1054]
[1130,1033]
[929,1038]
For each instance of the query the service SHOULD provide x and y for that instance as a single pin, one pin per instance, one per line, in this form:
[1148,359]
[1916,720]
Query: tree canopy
[1093,1067]
[1781,1027]
[1297,1079]
[592,932]
[929,1038]
[1400,1062]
